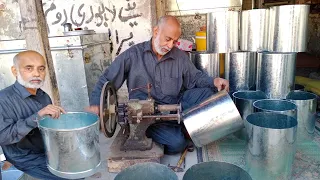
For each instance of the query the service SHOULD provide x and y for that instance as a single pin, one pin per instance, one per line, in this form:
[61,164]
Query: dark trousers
[170,134]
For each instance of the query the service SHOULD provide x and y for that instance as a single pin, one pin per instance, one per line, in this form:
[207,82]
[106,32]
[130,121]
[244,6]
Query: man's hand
[221,84]
[52,110]
[93,109]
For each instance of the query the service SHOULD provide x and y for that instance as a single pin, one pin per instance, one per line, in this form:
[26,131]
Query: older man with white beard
[21,106]
[173,77]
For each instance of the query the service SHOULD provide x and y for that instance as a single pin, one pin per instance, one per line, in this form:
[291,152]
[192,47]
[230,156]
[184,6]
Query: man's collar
[148,47]
[24,93]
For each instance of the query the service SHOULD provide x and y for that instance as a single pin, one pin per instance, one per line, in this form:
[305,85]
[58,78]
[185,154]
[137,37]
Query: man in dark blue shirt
[21,105]
[173,77]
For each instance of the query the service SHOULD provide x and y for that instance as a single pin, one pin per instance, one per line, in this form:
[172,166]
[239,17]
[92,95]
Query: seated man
[173,77]
[21,106]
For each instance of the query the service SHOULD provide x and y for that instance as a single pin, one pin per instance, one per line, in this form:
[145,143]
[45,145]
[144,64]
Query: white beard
[158,48]
[28,83]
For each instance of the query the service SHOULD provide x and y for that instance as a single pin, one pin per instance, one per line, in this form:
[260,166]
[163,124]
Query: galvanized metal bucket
[213,119]
[240,70]
[144,171]
[206,62]
[306,104]
[276,74]
[72,144]
[254,30]
[215,170]
[288,28]
[271,145]
[223,31]
[277,106]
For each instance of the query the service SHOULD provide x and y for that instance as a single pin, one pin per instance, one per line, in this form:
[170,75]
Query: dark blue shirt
[20,138]
[139,66]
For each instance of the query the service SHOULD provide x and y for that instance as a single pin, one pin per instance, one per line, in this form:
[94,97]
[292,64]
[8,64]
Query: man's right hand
[93,109]
[52,110]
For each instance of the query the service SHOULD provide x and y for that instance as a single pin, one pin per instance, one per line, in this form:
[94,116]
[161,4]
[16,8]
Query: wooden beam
[36,35]
[161,8]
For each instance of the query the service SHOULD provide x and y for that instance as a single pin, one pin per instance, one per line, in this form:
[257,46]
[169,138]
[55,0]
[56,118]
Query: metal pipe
[271,145]
[240,70]
[169,107]
[277,106]
[206,62]
[276,74]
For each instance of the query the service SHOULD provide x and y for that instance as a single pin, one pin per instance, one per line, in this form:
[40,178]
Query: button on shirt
[139,65]
[21,140]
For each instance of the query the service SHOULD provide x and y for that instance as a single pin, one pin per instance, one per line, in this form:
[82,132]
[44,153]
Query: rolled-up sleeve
[117,72]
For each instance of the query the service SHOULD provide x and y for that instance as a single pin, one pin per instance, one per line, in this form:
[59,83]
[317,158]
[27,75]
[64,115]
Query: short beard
[28,83]
[158,48]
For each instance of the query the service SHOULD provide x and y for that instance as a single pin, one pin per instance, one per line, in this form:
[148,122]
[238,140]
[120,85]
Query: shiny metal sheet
[223,31]
[277,106]
[213,119]
[271,145]
[306,104]
[240,70]
[72,144]
[254,30]
[206,62]
[276,74]
[288,28]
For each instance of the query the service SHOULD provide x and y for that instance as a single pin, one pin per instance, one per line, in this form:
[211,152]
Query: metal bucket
[213,119]
[307,104]
[144,171]
[72,144]
[240,70]
[215,170]
[244,101]
[206,62]
[288,28]
[276,106]
[271,145]
[223,31]
[254,30]
[276,74]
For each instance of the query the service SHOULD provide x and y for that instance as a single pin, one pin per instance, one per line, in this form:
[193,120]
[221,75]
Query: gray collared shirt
[20,139]
[139,66]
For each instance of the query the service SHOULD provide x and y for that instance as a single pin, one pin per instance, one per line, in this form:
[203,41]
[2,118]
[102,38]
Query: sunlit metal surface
[240,70]
[276,74]
[288,28]
[306,104]
[223,31]
[277,106]
[206,62]
[254,30]
[72,144]
[216,170]
[213,119]
[271,145]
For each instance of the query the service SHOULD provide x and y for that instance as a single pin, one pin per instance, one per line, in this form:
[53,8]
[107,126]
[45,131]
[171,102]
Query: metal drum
[206,62]
[72,144]
[271,145]
[240,70]
[223,31]
[276,106]
[307,104]
[213,119]
[215,170]
[145,171]
[288,28]
[254,30]
[276,74]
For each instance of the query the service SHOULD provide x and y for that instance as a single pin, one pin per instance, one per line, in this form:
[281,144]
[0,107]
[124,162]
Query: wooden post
[36,35]
[160,5]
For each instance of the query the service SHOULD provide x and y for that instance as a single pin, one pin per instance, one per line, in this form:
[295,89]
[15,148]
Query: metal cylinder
[271,145]
[240,70]
[72,144]
[306,104]
[288,28]
[223,31]
[276,74]
[277,106]
[154,171]
[213,119]
[206,62]
[254,30]
[215,170]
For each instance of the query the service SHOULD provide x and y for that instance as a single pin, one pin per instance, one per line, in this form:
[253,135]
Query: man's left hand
[221,84]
